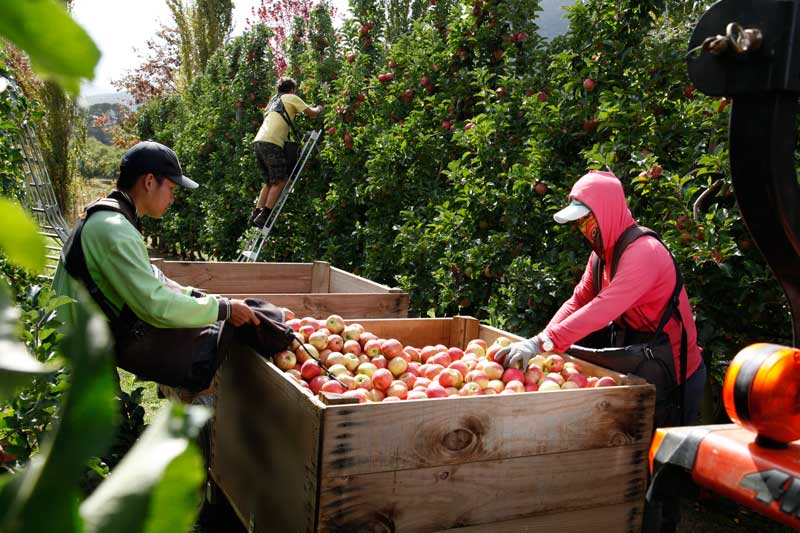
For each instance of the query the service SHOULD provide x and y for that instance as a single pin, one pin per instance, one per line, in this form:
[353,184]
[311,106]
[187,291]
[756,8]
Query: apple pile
[372,369]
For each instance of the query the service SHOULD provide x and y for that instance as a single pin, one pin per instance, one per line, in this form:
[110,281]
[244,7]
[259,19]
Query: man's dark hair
[126,183]
[286,84]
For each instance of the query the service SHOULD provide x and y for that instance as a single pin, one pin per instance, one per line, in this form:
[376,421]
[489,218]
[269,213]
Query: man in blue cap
[162,331]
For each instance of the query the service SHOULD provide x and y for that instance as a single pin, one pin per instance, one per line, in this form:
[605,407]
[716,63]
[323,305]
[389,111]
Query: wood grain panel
[349,305]
[342,281]
[320,277]
[266,444]
[621,517]
[225,277]
[482,492]
[421,433]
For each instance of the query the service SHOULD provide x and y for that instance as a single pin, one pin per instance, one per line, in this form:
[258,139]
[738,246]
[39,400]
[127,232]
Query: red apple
[294,323]
[306,330]
[435,390]
[459,366]
[366,369]
[431,371]
[373,347]
[413,354]
[352,332]
[479,377]
[589,84]
[554,363]
[397,366]
[413,367]
[476,349]
[351,361]
[302,353]
[360,394]
[381,379]
[540,188]
[409,379]
[455,353]
[470,389]
[534,374]
[398,389]
[380,361]
[513,374]
[375,395]
[655,171]
[426,352]
[391,348]
[363,381]
[531,387]
[548,385]
[333,387]
[335,324]
[493,370]
[515,386]
[554,377]
[441,358]
[416,395]
[331,131]
[317,383]
[496,385]
[318,339]
[352,346]
[605,381]
[310,369]
[449,377]
[335,343]
[285,360]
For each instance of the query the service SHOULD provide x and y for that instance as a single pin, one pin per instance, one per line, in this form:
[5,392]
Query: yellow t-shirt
[274,129]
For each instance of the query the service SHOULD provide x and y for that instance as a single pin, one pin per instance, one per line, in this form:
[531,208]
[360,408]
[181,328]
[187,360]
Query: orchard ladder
[256,237]
[39,197]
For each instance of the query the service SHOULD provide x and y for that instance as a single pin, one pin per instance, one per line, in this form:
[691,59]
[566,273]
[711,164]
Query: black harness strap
[598,265]
[74,260]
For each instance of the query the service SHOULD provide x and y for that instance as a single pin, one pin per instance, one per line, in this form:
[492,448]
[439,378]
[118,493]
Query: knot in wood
[458,439]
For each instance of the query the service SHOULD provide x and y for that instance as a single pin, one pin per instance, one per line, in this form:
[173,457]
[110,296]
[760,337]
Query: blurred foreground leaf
[155,489]
[45,496]
[19,237]
[58,47]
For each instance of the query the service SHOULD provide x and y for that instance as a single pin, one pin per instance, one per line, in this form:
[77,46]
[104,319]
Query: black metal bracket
[759,70]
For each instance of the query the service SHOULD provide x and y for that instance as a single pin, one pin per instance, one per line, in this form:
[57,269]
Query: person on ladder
[270,146]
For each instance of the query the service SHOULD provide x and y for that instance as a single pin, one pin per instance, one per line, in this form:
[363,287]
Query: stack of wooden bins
[571,460]
[309,289]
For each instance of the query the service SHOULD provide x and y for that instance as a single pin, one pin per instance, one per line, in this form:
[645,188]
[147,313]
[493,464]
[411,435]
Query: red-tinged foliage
[280,17]
[156,75]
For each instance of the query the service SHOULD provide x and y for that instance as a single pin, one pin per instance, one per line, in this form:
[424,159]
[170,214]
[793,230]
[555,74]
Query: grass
[150,400]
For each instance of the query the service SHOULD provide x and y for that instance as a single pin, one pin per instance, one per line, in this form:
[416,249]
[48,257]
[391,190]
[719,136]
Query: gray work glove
[518,354]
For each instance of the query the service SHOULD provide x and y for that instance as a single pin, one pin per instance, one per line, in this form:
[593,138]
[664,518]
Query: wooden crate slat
[342,281]
[264,433]
[224,277]
[423,433]
[320,277]
[463,330]
[348,305]
[622,517]
[481,492]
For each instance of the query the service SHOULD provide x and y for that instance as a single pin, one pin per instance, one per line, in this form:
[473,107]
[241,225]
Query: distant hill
[122,98]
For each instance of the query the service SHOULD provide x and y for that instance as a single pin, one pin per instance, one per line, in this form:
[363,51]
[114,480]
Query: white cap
[575,210]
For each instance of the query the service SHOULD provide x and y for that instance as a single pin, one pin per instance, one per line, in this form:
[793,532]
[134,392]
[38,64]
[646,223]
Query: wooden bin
[572,460]
[309,289]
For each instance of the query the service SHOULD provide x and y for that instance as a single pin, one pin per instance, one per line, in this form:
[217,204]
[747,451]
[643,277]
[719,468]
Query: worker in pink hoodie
[633,300]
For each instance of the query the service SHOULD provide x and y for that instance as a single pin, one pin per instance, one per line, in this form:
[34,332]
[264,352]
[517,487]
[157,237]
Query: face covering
[590,229]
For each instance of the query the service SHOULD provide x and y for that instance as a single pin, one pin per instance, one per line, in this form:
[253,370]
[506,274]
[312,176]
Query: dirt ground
[708,513]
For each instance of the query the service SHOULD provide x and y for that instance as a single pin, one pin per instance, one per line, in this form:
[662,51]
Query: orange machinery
[749,51]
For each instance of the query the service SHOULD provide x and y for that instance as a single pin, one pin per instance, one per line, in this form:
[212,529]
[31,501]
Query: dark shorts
[272,162]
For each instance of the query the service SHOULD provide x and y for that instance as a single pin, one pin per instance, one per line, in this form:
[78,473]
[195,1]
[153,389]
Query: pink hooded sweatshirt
[642,284]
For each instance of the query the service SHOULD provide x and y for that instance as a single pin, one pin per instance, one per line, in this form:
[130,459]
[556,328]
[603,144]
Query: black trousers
[189,357]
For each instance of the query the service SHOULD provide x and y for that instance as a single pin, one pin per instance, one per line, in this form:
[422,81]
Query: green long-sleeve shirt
[117,259]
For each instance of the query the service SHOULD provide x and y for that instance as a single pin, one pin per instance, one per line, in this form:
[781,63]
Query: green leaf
[57,46]
[46,492]
[17,366]
[19,237]
[155,488]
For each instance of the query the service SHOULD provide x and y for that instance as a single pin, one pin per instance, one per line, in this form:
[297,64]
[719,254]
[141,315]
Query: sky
[118,28]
